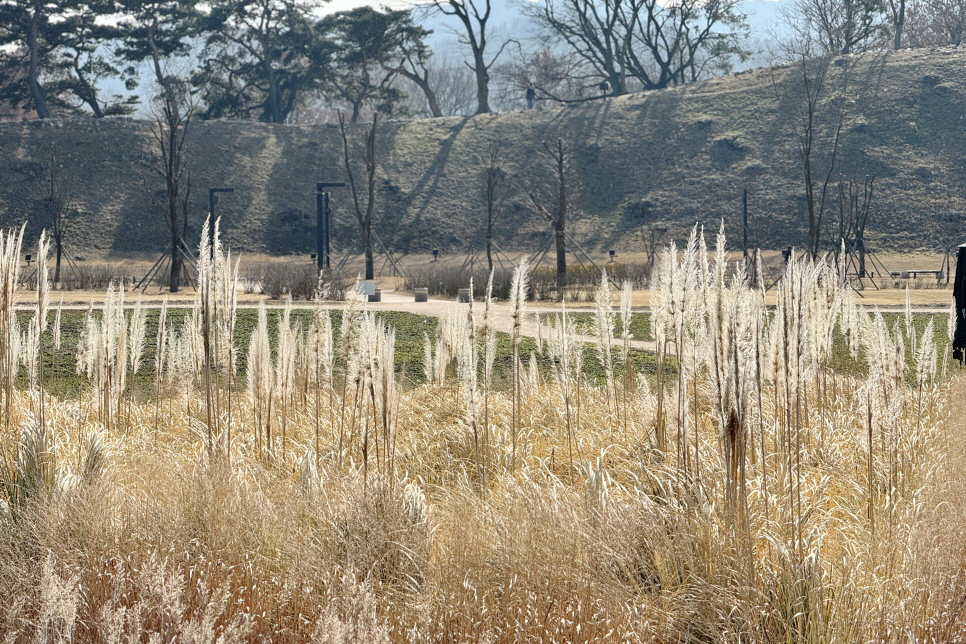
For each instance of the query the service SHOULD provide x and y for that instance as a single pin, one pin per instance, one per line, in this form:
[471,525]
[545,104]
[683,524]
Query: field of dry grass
[782,475]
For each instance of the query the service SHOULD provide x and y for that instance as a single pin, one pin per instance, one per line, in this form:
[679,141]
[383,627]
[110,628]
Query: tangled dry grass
[750,493]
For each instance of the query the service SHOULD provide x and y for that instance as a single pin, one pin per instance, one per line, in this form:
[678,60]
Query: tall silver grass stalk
[567,355]
[320,365]
[102,354]
[135,340]
[787,362]
[910,329]
[792,336]
[429,359]
[387,395]
[11,242]
[57,317]
[364,368]
[119,329]
[32,339]
[285,366]
[34,472]
[662,307]
[467,360]
[216,310]
[518,302]
[226,281]
[135,337]
[722,310]
[260,379]
[604,329]
[925,359]
[629,371]
[348,335]
[759,333]
[160,350]
[449,340]
[681,302]
[489,356]
[205,305]
[40,320]
[30,343]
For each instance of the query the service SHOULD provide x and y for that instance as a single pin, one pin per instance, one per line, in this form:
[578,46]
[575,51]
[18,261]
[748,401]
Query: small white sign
[366,287]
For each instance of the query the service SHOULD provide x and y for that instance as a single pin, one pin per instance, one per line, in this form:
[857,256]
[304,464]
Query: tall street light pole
[322,217]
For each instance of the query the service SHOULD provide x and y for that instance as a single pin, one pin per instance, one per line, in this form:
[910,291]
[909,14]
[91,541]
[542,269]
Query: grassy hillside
[666,158]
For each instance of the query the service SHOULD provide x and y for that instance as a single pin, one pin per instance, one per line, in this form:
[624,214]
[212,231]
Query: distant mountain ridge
[664,159]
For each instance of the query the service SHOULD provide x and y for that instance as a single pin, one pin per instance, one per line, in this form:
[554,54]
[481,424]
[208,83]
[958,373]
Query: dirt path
[501,315]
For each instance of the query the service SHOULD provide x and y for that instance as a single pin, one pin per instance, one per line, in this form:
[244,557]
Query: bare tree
[453,87]
[474,15]
[657,44]
[417,72]
[855,206]
[835,27]
[559,160]
[934,23]
[170,162]
[897,17]
[363,211]
[552,75]
[819,94]
[57,206]
[496,191]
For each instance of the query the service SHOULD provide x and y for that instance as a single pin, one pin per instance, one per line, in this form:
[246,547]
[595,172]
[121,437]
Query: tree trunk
[490,196]
[33,71]
[430,98]
[900,21]
[422,82]
[560,224]
[489,245]
[174,284]
[482,83]
[58,240]
[89,94]
[370,257]
[274,101]
[371,205]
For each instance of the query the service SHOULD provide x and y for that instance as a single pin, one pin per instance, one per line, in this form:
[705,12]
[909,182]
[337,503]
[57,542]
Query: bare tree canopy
[658,45]
[474,15]
[363,204]
[836,27]
[934,23]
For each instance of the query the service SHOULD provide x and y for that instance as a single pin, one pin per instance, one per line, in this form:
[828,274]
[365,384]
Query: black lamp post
[322,216]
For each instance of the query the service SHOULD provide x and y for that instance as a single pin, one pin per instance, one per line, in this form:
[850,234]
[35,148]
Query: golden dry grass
[753,493]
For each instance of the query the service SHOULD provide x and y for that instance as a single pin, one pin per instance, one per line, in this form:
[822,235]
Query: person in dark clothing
[531,95]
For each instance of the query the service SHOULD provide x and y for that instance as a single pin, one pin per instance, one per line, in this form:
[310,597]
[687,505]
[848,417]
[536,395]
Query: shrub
[300,280]
[447,279]
[97,276]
